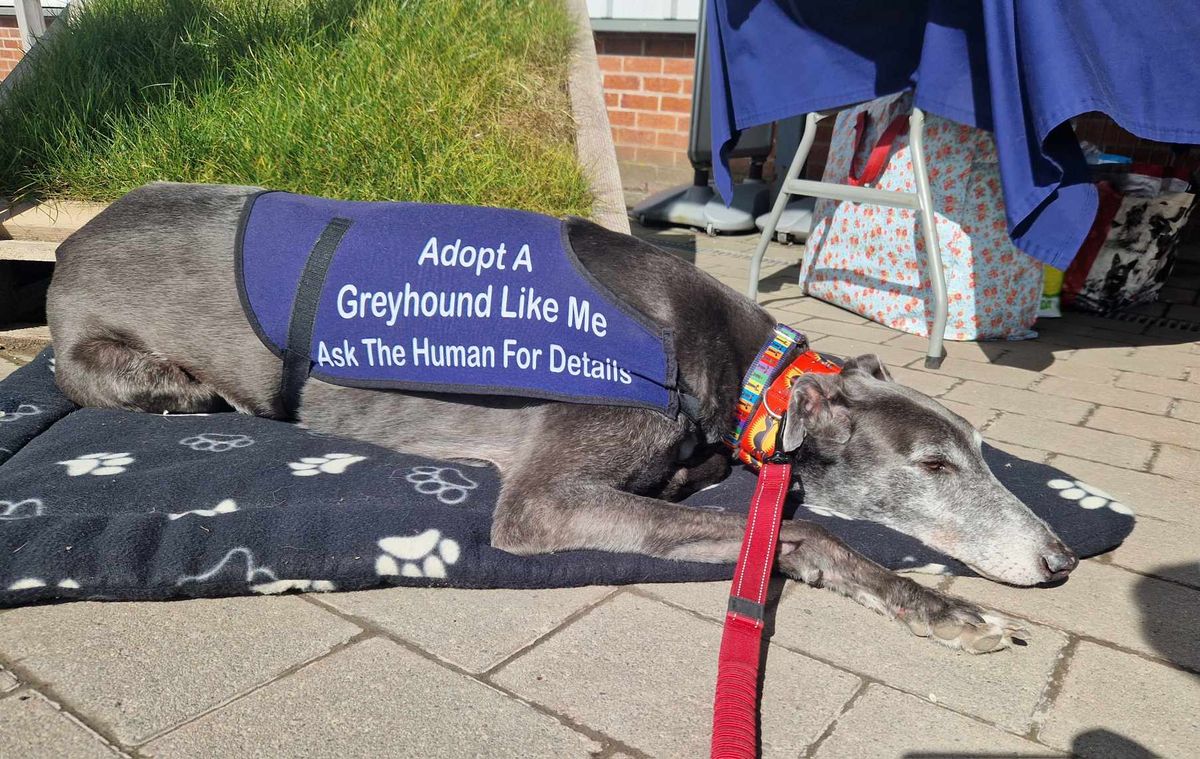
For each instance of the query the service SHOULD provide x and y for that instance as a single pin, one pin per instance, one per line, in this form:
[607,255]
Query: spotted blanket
[102,504]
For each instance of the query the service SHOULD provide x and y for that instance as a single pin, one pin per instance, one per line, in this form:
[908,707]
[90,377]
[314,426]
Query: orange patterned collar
[766,391]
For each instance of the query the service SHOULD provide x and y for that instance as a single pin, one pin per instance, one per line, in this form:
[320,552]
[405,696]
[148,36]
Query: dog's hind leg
[113,370]
[559,516]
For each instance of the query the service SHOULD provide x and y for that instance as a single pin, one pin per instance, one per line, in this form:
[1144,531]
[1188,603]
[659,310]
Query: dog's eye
[934,465]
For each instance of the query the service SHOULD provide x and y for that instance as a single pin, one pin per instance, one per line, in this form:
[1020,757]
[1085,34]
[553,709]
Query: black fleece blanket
[98,504]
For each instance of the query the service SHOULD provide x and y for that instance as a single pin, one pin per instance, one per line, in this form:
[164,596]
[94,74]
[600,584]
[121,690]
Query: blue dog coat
[409,296]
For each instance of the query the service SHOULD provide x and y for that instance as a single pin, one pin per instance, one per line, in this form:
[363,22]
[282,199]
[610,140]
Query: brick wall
[648,90]
[10,45]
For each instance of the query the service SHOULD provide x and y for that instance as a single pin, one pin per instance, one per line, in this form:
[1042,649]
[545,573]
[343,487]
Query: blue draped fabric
[1020,69]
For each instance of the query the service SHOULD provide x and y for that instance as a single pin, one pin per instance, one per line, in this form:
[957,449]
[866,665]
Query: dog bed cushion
[103,504]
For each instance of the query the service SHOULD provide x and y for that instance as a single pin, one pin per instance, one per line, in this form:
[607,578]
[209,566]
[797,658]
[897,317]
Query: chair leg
[937,278]
[768,232]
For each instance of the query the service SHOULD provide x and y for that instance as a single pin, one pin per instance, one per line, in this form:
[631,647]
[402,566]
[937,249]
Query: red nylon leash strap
[735,709]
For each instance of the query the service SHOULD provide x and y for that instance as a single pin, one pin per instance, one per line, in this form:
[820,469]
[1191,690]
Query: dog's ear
[816,408]
[869,364]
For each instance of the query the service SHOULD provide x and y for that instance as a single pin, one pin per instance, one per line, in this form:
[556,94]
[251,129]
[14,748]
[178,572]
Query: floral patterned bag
[871,259]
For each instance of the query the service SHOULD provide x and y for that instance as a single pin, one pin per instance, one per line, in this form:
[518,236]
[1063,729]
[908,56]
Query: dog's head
[877,450]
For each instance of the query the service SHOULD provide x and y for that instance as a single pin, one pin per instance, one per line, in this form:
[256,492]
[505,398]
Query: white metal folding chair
[921,201]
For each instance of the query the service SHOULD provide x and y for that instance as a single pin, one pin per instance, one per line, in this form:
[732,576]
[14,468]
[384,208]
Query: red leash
[735,709]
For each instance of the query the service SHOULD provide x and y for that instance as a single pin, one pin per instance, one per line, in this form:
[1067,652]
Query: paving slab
[1096,445]
[1178,463]
[374,698]
[1146,426]
[140,668]
[1162,549]
[31,726]
[984,352]
[1020,451]
[1142,613]
[925,382]
[474,629]
[1186,410]
[1104,394]
[891,356]
[1172,388]
[1003,688]
[1116,705]
[884,723]
[1028,402]
[644,673]
[1149,494]
[7,367]
[978,416]
[993,374]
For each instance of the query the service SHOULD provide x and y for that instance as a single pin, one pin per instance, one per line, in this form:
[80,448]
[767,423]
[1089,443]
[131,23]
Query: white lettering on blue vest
[336,356]
[523,259]
[466,256]
[355,304]
[525,304]
[580,317]
[520,356]
[380,353]
[426,353]
[582,365]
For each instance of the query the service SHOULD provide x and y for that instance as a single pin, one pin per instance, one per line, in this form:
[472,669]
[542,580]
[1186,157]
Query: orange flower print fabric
[871,259]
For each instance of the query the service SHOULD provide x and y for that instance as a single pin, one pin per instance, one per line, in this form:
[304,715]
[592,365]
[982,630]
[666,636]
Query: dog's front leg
[554,516]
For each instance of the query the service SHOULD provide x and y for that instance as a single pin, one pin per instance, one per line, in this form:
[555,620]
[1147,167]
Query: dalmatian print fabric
[112,505]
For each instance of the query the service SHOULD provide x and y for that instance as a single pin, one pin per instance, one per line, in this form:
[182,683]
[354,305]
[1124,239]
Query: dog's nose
[1059,561]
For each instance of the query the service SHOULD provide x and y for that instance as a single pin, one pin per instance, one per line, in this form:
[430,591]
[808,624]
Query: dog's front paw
[961,624]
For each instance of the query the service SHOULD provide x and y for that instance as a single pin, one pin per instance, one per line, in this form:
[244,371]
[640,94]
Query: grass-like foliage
[454,101]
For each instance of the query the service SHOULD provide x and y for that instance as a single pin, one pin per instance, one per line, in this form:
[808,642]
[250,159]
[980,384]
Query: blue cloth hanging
[1018,69]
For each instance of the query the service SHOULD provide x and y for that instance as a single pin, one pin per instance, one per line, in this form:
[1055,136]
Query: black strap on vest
[297,361]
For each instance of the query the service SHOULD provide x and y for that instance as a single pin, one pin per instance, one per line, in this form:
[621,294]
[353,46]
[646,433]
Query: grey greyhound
[146,316]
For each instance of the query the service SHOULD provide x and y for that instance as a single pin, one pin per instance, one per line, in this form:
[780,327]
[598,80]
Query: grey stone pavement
[1112,669]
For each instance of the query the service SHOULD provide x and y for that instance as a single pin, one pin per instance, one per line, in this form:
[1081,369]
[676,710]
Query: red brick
[657,156]
[622,118]
[678,105]
[641,102]
[642,64]
[671,140]
[656,121]
[633,136]
[622,82]
[687,86]
[661,84]
[679,66]
[612,99]
[683,123]
[626,153]
[609,62]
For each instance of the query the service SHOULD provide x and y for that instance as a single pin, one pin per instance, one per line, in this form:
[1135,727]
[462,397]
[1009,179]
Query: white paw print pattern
[825,511]
[53,367]
[423,555]
[447,484]
[216,442]
[24,409]
[98,463]
[32,583]
[1088,496]
[330,463]
[228,506]
[23,509]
